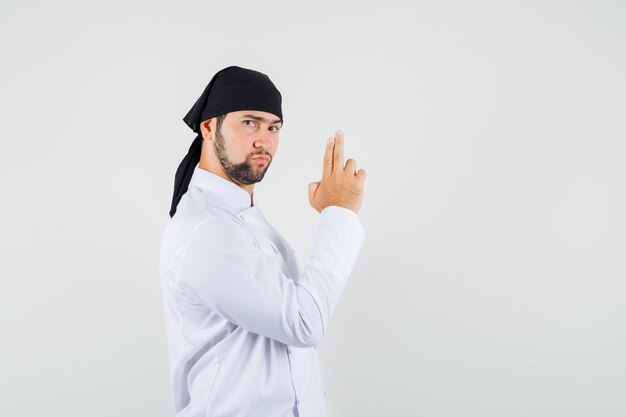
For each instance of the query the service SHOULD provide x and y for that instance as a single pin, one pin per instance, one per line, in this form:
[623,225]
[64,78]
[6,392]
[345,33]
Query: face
[243,136]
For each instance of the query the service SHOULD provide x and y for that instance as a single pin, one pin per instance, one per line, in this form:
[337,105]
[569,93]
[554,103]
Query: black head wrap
[231,89]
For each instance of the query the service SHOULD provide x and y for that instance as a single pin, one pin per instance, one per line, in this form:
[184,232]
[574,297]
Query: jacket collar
[227,192]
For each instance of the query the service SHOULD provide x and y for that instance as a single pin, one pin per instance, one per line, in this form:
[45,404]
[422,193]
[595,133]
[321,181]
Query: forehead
[257,114]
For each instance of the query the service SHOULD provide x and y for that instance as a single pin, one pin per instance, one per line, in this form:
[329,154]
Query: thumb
[312,189]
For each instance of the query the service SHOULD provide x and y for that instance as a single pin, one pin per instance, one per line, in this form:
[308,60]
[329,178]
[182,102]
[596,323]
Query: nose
[264,140]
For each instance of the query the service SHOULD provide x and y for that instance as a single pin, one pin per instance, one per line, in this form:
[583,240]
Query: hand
[340,186]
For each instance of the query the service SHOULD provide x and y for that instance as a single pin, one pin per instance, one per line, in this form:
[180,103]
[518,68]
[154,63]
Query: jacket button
[298,402]
[324,393]
[315,347]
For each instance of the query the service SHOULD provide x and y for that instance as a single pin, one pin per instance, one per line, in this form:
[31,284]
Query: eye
[247,121]
[275,127]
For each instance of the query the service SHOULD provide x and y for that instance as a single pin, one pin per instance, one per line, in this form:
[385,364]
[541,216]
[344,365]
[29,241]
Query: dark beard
[243,172]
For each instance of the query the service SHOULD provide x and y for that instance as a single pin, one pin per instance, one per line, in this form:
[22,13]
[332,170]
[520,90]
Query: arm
[247,287]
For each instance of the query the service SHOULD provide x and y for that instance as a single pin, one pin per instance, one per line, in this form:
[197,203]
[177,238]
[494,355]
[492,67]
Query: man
[243,320]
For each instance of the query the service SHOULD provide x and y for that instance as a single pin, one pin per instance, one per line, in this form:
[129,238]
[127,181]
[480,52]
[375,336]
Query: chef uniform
[243,320]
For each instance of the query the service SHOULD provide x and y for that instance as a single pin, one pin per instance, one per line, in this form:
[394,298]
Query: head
[232,140]
[226,145]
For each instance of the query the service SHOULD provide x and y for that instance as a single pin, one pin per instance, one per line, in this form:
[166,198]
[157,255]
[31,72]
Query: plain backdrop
[492,279]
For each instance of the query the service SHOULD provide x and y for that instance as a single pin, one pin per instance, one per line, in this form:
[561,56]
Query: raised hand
[340,185]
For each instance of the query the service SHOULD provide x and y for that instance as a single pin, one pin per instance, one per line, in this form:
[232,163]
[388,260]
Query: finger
[350,166]
[328,159]
[338,152]
[312,189]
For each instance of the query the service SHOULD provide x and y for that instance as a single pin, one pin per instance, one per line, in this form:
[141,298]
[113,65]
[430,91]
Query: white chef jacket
[242,319]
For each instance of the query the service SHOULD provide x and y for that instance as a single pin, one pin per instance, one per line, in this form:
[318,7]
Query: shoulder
[196,219]
[222,231]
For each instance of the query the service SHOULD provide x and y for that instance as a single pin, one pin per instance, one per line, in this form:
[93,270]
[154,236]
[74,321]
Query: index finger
[338,151]
[328,158]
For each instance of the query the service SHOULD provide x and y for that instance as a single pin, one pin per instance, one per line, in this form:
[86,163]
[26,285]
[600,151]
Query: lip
[261,158]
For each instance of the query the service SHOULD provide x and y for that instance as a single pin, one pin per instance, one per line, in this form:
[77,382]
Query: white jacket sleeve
[247,286]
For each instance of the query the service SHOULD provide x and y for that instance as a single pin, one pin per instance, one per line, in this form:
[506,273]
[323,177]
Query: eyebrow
[263,119]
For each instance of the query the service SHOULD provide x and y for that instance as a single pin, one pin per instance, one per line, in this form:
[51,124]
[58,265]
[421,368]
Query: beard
[246,172]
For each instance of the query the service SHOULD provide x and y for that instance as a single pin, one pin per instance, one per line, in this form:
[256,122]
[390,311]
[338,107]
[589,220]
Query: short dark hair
[220,119]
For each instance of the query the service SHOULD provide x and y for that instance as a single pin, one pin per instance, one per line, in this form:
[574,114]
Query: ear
[206,127]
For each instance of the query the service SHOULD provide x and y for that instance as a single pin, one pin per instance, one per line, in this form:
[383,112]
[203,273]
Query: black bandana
[231,89]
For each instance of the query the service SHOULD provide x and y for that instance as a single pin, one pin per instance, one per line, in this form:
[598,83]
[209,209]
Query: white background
[492,279]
